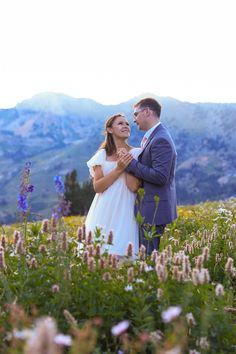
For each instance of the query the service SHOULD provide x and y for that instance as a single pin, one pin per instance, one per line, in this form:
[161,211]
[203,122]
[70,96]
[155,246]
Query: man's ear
[147,111]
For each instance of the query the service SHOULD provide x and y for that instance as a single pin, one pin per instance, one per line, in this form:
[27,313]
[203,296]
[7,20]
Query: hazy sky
[113,50]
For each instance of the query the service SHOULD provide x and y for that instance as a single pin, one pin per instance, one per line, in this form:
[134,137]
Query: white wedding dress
[113,210]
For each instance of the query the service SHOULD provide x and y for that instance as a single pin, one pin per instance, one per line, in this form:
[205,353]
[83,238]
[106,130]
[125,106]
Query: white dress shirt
[147,134]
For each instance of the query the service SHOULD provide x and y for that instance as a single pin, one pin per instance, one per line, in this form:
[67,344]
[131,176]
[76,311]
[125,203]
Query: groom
[156,168]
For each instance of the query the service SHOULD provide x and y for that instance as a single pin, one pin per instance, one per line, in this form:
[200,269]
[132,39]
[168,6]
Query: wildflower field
[62,292]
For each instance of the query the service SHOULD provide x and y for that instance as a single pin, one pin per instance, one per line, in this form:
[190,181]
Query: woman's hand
[121,152]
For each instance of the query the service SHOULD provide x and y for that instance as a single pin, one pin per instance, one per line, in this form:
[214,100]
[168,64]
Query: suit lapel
[159,127]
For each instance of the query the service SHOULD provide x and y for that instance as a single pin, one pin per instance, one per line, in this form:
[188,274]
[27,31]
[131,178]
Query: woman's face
[120,128]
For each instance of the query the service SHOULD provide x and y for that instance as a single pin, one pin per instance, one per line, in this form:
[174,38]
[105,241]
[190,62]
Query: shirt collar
[149,132]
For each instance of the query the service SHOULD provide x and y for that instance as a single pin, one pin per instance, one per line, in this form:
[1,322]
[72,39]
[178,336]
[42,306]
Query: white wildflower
[156,336]
[24,334]
[171,313]
[203,343]
[120,328]
[160,293]
[139,280]
[148,268]
[219,290]
[190,319]
[129,287]
[62,339]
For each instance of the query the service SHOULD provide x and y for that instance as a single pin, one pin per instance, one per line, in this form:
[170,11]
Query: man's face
[140,118]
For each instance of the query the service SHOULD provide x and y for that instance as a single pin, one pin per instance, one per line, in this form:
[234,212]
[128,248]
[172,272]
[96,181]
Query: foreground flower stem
[25,189]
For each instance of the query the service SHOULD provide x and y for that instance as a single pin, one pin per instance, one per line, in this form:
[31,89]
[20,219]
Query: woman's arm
[132,182]
[101,182]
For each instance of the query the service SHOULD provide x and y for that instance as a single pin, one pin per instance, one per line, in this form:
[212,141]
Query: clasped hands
[124,158]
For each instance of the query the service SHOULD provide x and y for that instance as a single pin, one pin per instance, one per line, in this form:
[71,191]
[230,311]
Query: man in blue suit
[156,168]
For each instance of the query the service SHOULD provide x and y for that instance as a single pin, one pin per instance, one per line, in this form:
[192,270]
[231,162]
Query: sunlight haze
[111,51]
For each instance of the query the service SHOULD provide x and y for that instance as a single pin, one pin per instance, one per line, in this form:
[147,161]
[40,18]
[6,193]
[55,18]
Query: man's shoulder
[161,132]
[163,135]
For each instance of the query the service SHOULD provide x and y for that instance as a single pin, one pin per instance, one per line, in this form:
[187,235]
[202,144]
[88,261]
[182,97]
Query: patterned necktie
[143,141]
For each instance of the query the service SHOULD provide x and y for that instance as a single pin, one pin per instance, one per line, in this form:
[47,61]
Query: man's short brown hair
[150,103]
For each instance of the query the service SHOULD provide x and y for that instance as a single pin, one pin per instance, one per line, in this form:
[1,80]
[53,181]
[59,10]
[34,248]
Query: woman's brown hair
[108,144]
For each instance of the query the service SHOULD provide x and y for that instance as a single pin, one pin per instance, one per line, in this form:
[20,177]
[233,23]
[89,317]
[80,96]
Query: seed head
[3,241]
[229,265]
[103,263]
[154,255]
[80,234]
[130,274]
[90,250]
[42,248]
[64,241]
[205,254]
[55,288]
[89,238]
[110,259]
[110,238]
[33,263]
[199,261]
[160,293]
[54,221]
[106,276]
[114,261]
[129,251]
[45,226]
[20,247]
[142,252]
[85,256]
[91,264]
[98,250]
[175,272]
[2,259]
[16,237]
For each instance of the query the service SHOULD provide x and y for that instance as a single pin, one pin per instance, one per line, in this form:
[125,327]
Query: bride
[113,206]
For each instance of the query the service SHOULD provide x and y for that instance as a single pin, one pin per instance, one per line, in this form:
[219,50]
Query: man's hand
[124,161]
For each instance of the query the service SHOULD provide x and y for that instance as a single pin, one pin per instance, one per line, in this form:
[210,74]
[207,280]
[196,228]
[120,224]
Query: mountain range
[58,133]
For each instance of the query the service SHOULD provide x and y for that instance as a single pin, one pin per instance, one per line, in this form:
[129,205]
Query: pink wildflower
[130,274]
[2,259]
[80,234]
[129,251]
[110,238]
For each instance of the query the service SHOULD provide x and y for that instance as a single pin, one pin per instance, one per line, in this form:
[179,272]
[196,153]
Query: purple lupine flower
[30,188]
[55,216]
[59,184]
[22,203]
[25,188]
[63,207]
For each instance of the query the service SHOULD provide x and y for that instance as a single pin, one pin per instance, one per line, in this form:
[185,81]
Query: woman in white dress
[113,206]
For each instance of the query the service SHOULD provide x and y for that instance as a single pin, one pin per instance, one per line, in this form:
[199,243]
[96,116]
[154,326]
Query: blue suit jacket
[156,168]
